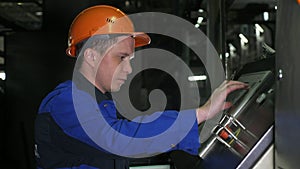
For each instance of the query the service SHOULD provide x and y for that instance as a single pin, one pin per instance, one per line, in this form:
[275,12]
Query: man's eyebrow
[124,54]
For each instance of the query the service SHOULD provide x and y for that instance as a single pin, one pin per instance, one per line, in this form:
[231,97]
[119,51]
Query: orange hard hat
[102,20]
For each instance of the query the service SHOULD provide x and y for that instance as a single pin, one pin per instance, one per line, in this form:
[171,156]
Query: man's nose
[127,67]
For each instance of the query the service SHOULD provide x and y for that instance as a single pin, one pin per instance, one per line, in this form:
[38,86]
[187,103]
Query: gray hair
[100,43]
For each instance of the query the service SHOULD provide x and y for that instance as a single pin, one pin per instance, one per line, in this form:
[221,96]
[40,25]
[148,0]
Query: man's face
[115,66]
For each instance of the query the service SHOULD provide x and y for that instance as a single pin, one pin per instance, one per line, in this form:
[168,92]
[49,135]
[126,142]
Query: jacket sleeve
[145,136]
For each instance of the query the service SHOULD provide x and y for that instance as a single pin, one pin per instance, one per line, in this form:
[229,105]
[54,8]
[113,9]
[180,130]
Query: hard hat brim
[141,39]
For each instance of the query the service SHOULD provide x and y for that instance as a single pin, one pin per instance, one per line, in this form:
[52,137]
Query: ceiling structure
[28,14]
[25,15]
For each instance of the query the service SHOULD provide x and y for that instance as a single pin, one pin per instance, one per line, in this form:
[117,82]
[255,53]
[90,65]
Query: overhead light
[2,75]
[38,13]
[243,38]
[266,16]
[275,7]
[197,78]
[231,47]
[200,19]
[227,55]
[200,10]
[259,28]
[19,3]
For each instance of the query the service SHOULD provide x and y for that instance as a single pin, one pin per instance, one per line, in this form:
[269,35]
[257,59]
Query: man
[78,125]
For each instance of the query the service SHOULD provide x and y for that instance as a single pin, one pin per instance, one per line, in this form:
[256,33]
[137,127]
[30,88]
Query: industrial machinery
[246,129]
[241,137]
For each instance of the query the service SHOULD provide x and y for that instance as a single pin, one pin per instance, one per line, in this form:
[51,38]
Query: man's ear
[90,56]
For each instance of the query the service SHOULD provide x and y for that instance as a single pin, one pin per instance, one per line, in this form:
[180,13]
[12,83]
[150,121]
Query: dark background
[35,59]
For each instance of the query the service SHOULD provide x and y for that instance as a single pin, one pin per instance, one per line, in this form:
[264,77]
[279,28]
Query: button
[261,98]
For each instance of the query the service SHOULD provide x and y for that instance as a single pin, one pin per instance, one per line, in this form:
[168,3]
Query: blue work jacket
[78,128]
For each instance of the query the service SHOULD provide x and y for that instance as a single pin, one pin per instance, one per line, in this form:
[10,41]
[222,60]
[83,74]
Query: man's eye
[123,57]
